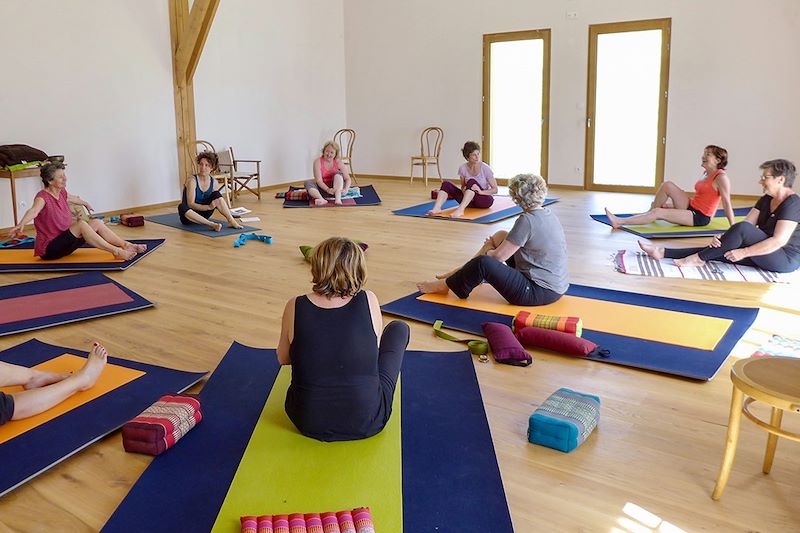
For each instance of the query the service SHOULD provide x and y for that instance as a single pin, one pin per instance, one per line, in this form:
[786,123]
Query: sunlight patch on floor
[640,520]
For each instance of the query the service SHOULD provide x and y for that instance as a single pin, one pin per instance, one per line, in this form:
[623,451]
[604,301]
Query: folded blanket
[162,424]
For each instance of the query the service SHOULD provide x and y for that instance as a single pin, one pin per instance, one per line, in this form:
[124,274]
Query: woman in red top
[684,211]
[56,234]
[330,176]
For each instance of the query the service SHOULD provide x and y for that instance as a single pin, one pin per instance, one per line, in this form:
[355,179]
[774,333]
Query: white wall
[733,78]
[91,79]
[271,82]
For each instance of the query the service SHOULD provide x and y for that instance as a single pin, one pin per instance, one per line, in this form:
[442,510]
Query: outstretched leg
[34,401]
[86,232]
[683,217]
[112,238]
[27,377]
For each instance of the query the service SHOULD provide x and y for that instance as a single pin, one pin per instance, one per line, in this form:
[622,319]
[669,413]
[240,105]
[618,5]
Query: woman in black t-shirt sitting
[768,238]
[344,370]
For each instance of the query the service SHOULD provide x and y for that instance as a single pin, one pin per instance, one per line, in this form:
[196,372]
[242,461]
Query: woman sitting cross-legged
[344,370]
[330,176]
[44,390]
[200,199]
[768,238]
[477,184]
[528,265]
[56,233]
[673,205]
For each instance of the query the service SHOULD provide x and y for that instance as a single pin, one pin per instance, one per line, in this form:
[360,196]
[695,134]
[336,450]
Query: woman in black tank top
[344,371]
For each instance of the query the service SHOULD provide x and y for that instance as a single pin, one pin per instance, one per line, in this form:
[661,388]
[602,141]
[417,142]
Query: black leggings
[509,282]
[741,235]
[394,342]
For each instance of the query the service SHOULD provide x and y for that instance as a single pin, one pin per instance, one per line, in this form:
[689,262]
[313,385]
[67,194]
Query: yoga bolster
[565,420]
[358,520]
[568,324]
[557,341]
[297,194]
[162,424]
[504,345]
[131,220]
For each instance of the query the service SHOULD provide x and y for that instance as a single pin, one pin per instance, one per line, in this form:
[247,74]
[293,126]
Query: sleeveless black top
[335,392]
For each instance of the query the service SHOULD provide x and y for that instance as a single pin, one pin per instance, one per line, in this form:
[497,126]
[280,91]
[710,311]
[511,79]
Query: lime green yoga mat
[717,224]
[284,472]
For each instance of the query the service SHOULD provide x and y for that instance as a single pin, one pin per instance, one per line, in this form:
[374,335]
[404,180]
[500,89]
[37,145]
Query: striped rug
[640,264]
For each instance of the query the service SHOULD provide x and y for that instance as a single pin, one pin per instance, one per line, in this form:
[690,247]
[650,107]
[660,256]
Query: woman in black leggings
[344,370]
[769,238]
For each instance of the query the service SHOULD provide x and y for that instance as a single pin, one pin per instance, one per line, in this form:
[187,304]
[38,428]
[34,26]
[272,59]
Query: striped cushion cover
[162,424]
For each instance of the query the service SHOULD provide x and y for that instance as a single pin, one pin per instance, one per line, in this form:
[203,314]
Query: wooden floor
[656,451]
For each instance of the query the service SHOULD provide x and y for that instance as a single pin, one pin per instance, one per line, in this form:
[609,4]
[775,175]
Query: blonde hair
[338,267]
[335,147]
[528,191]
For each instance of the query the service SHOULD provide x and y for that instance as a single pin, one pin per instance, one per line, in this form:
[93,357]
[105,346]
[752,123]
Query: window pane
[515,110]
[626,108]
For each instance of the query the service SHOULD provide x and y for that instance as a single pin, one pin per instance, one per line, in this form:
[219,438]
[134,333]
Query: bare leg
[192,215]
[683,217]
[222,206]
[35,401]
[441,198]
[670,191]
[85,231]
[690,261]
[338,185]
[491,242]
[656,252]
[27,377]
[469,194]
[315,194]
[112,238]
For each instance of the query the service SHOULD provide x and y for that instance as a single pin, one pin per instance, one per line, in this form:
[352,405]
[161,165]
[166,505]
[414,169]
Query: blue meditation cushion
[564,420]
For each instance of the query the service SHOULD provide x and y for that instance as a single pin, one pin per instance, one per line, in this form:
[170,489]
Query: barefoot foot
[235,225]
[434,212]
[135,248]
[458,213]
[615,223]
[338,202]
[656,252]
[216,226]
[122,253]
[436,286]
[690,261]
[95,363]
[320,201]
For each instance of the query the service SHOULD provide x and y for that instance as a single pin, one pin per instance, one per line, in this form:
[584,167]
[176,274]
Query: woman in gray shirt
[528,265]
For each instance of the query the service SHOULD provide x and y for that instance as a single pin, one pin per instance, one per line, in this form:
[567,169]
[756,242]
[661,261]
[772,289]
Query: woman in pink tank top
[330,176]
[56,234]
[713,187]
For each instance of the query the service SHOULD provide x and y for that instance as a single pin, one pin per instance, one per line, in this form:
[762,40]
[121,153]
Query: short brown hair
[720,153]
[469,147]
[338,267]
[209,156]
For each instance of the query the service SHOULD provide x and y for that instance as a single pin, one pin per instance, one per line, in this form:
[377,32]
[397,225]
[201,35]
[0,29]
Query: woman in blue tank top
[344,370]
[204,199]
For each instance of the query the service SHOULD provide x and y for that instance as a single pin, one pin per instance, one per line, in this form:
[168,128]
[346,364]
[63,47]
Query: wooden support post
[188,32]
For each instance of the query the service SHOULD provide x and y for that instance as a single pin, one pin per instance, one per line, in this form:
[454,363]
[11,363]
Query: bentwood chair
[430,145]
[346,138]
[774,381]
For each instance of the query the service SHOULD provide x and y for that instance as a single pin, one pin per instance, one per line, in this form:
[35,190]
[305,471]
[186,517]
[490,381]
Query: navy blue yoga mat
[450,475]
[173,220]
[685,231]
[628,351]
[54,285]
[421,210]
[54,266]
[368,197]
[38,449]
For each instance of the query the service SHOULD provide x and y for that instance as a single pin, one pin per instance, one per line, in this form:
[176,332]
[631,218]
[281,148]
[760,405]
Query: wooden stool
[772,380]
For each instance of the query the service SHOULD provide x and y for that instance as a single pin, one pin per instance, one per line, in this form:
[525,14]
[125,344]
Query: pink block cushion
[504,345]
[558,341]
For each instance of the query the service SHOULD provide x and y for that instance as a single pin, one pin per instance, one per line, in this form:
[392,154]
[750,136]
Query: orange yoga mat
[113,377]
[660,325]
[81,255]
[63,301]
[501,203]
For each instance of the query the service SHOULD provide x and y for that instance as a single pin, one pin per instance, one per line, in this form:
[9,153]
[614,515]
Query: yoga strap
[475,346]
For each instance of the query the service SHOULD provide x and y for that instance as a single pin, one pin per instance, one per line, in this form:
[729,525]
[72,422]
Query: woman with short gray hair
[528,265]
